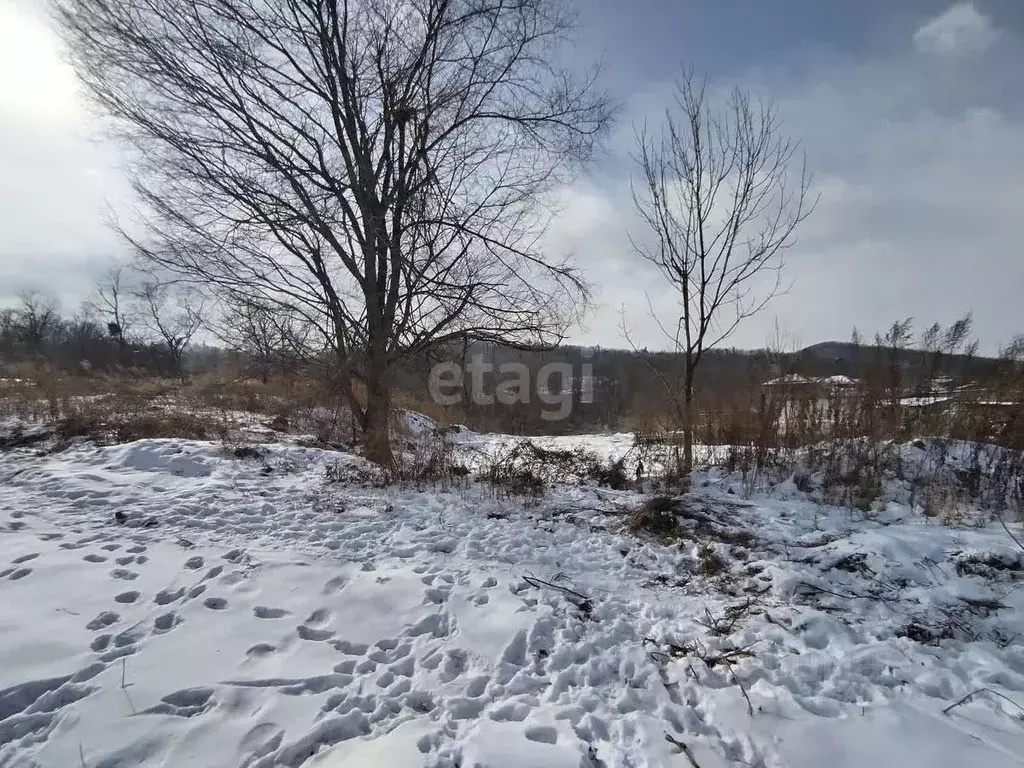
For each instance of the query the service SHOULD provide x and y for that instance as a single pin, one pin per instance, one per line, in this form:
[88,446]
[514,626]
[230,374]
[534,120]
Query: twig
[124,669]
[581,601]
[743,690]
[852,596]
[1009,532]
[81,755]
[972,694]
[683,748]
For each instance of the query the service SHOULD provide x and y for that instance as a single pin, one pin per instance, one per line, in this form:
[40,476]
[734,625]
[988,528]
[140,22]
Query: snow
[248,613]
[797,379]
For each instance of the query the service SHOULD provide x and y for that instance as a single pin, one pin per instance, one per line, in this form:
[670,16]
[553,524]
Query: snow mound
[172,456]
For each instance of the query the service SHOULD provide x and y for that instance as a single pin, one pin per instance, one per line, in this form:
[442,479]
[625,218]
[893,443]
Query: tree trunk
[377,416]
[688,426]
[687,436]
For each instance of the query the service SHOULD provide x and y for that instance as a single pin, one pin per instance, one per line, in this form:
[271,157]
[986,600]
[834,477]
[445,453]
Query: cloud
[920,175]
[56,178]
[958,31]
[920,169]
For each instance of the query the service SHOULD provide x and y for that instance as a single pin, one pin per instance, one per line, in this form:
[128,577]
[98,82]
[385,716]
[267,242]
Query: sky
[910,115]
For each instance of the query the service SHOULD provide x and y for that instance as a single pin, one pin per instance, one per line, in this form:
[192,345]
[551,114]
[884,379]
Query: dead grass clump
[163,425]
[855,562]
[104,427]
[429,458]
[245,451]
[354,473]
[655,517]
[990,565]
[527,469]
[710,563]
[942,501]
[613,475]
[87,425]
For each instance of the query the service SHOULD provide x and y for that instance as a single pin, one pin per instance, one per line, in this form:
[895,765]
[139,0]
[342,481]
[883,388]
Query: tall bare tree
[111,301]
[721,193]
[377,165]
[173,315]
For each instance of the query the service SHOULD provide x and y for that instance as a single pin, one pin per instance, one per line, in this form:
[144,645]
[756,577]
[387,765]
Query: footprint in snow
[264,612]
[124,575]
[215,603]
[95,559]
[261,649]
[235,577]
[24,558]
[165,596]
[349,648]
[436,595]
[118,653]
[311,633]
[127,597]
[129,636]
[545,734]
[335,585]
[511,712]
[194,563]
[319,616]
[185,703]
[20,573]
[102,620]
[166,622]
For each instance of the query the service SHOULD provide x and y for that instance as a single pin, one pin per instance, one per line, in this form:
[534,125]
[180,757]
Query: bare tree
[378,166]
[172,314]
[111,301]
[37,319]
[721,192]
[271,340]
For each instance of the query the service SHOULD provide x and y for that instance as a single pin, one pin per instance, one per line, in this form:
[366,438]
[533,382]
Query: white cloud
[920,173]
[56,179]
[960,30]
[919,176]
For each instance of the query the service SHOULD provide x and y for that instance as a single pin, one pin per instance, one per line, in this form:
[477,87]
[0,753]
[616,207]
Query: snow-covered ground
[164,603]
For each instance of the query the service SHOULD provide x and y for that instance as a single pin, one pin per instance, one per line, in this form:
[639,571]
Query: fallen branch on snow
[682,748]
[581,601]
[972,694]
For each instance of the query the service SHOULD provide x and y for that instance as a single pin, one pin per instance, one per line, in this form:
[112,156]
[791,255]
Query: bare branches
[972,694]
[721,193]
[112,302]
[379,167]
[172,313]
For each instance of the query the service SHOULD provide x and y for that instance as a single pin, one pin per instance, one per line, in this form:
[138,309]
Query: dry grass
[655,517]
